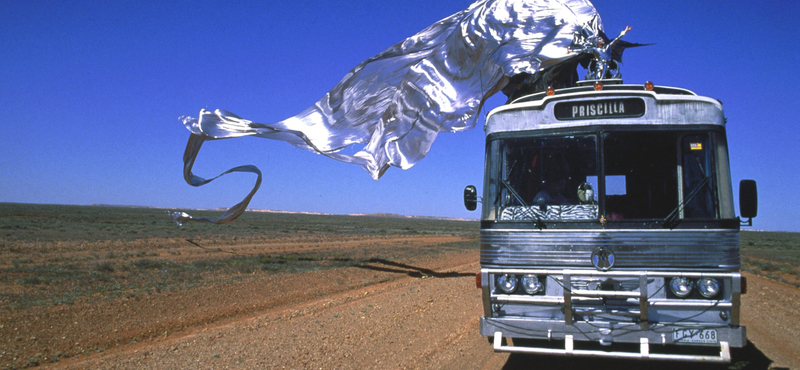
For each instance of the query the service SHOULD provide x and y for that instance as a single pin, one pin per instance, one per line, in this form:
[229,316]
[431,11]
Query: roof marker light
[598,86]
[648,86]
[550,91]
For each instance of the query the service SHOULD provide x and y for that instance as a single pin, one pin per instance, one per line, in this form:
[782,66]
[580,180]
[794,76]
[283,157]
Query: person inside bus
[554,189]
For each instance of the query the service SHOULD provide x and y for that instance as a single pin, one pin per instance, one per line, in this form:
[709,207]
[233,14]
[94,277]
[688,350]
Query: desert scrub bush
[31,280]
[766,266]
[22,261]
[103,267]
[149,264]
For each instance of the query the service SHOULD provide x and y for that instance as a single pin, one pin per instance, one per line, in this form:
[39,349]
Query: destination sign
[598,109]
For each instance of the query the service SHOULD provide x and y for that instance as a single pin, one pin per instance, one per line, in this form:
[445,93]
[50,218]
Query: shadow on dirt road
[749,358]
[412,271]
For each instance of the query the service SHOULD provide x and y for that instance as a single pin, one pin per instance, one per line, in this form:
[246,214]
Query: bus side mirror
[748,199]
[470,198]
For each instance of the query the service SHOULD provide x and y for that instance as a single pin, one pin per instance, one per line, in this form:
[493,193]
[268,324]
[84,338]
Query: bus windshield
[656,175]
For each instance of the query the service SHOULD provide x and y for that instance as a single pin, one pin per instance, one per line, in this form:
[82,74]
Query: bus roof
[612,105]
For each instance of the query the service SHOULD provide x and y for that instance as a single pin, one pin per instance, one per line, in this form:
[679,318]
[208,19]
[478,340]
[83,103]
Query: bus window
[542,177]
[615,185]
[640,174]
[697,177]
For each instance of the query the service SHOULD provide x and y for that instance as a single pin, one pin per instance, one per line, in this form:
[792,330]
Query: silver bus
[608,225]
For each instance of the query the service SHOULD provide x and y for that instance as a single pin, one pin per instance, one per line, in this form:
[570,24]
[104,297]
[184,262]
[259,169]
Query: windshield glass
[539,178]
[643,171]
[641,174]
[664,176]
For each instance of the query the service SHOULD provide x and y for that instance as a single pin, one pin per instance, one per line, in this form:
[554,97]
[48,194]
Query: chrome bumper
[644,351]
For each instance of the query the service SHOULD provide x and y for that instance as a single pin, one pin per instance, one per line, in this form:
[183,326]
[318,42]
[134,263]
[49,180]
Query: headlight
[708,287]
[531,284]
[681,287]
[507,283]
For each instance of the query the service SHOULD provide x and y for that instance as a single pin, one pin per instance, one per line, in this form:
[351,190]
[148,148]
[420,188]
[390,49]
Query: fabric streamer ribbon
[192,148]
[398,101]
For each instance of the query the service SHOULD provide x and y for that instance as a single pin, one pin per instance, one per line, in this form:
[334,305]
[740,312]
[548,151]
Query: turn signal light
[478,280]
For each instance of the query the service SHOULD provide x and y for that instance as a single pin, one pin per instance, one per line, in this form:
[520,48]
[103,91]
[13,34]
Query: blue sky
[92,92]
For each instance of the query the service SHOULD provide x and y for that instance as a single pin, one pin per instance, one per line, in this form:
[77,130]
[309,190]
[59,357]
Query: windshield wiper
[670,220]
[519,198]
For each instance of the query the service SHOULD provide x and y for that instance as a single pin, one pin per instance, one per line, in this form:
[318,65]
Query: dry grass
[775,255]
[52,255]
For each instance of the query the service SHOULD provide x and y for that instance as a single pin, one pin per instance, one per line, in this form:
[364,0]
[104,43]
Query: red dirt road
[771,313]
[413,323]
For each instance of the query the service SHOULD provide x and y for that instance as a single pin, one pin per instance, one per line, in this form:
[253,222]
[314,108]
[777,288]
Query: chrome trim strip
[548,300]
[651,249]
[592,273]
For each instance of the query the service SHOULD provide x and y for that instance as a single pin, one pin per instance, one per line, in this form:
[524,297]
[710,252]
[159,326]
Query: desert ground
[110,287]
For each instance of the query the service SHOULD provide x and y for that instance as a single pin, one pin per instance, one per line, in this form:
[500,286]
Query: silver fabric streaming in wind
[397,102]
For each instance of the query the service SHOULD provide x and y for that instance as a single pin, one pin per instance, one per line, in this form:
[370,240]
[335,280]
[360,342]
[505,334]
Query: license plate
[695,336]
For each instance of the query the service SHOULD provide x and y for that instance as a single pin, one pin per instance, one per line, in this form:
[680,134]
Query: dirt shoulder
[771,313]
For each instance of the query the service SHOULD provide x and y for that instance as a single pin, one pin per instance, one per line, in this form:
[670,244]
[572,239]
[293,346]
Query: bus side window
[697,177]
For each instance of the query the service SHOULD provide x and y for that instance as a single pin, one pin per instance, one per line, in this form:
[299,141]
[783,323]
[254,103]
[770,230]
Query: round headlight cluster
[507,283]
[682,287]
[531,284]
[708,287]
